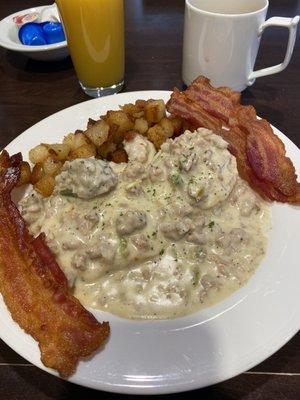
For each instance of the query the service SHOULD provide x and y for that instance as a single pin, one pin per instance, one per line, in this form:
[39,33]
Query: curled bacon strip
[260,154]
[266,155]
[35,289]
[219,103]
[194,113]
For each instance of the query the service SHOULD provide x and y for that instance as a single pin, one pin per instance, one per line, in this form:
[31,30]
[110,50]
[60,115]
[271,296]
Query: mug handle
[291,24]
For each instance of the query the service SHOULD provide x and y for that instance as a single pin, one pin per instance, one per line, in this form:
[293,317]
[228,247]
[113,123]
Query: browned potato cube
[98,132]
[107,148]
[59,151]
[84,151]
[91,122]
[167,126]
[130,135]
[141,125]
[130,108]
[37,173]
[115,134]
[138,114]
[68,140]
[177,125]
[80,139]
[45,185]
[38,154]
[141,104]
[119,119]
[155,110]
[119,156]
[25,174]
[156,135]
[76,140]
[52,167]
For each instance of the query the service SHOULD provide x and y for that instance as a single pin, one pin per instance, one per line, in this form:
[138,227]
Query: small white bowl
[9,40]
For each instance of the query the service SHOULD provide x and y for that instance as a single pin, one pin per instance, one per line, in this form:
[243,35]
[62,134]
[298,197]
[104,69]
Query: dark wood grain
[31,91]
[30,383]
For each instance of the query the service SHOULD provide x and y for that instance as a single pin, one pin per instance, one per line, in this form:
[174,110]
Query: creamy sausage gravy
[163,236]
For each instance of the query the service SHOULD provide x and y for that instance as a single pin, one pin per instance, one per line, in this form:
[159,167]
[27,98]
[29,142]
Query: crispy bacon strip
[219,103]
[35,289]
[260,154]
[235,97]
[237,141]
[241,115]
[180,105]
[266,155]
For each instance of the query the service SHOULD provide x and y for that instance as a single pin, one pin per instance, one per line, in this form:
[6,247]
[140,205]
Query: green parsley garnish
[123,247]
[176,179]
[211,224]
[196,276]
[174,253]
[67,192]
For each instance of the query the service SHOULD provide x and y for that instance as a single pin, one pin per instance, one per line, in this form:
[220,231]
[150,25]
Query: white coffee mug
[222,37]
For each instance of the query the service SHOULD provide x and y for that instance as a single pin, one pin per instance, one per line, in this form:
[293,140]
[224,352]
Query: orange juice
[95,35]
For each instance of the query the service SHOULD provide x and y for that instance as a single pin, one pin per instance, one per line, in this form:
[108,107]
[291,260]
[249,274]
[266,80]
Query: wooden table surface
[31,91]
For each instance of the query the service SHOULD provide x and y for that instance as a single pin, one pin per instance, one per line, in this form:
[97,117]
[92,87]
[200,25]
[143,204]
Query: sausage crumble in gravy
[162,236]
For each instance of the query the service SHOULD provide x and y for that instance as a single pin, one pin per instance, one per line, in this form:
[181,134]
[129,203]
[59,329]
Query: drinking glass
[95,35]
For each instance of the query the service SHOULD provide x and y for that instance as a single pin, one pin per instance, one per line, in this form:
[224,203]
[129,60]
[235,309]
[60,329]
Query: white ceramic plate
[9,40]
[150,357]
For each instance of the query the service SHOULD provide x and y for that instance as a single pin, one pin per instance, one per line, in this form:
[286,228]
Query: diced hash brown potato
[59,151]
[130,108]
[68,139]
[75,140]
[25,174]
[119,156]
[138,114]
[155,110]
[141,104]
[84,151]
[91,122]
[167,126]
[45,185]
[119,120]
[141,125]
[37,173]
[134,110]
[52,167]
[38,154]
[106,149]
[177,124]
[157,136]
[97,132]
[79,140]
[130,135]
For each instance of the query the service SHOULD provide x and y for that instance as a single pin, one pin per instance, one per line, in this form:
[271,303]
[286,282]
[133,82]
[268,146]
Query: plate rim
[152,389]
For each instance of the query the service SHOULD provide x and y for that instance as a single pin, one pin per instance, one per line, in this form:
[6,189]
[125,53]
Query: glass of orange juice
[95,35]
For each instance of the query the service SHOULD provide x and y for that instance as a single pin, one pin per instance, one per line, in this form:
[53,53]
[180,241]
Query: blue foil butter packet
[53,32]
[38,34]
[31,34]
